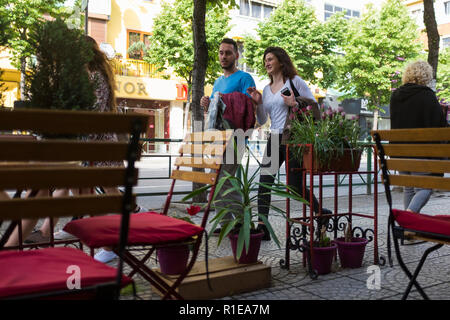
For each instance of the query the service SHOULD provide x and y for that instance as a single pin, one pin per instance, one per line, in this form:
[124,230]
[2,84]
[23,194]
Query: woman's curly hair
[418,72]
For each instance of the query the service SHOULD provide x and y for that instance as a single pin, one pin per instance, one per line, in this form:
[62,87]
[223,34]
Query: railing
[137,68]
[161,152]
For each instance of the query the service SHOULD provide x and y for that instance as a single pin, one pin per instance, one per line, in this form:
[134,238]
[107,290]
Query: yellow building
[116,25]
[10,79]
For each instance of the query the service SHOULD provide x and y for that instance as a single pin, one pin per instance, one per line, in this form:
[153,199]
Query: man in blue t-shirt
[232,79]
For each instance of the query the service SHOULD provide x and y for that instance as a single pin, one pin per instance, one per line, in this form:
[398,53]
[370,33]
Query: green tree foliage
[5,29]
[22,15]
[171,44]
[311,44]
[59,79]
[4,36]
[376,50]
[443,76]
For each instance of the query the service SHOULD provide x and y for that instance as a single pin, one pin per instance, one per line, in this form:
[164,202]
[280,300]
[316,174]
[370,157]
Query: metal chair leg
[417,271]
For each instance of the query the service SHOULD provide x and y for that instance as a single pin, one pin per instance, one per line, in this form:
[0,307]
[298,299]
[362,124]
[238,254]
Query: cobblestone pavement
[342,284]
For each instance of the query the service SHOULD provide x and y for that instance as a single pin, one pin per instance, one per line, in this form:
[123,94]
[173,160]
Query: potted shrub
[324,251]
[242,230]
[334,139]
[173,259]
[351,249]
[59,78]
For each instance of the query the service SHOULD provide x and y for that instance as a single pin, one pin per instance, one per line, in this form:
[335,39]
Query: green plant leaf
[195,193]
[226,229]
[269,227]
[240,243]
[246,227]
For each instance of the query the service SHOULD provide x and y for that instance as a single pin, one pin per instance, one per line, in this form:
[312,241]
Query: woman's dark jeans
[295,177]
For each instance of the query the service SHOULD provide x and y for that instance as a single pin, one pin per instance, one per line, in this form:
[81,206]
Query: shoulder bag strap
[294,89]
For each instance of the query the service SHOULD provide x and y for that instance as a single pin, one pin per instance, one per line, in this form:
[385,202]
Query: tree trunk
[23,69]
[375,119]
[429,20]
[199,73]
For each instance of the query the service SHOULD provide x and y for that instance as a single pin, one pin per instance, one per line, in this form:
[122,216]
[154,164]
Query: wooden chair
[47,163]
[152,230]
[415,151]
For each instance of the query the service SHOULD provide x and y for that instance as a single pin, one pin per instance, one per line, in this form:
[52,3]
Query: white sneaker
[62,235]
[139,209]
[105,256]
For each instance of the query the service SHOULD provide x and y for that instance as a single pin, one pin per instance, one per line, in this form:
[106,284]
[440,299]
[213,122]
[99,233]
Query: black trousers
[266,177]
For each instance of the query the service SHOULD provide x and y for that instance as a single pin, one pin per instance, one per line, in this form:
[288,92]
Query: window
[330,9]
[137,36]
[267,11]
[446,42]
[244,8]
[242,66]
[447,8]
[255,9]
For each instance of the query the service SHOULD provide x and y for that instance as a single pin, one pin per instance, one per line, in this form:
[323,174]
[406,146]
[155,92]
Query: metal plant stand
[300,231]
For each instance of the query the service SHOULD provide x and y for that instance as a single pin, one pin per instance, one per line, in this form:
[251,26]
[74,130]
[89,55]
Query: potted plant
[334,139]
[59,77]
[324,250]
[351,249]
[173,259]
[242,230]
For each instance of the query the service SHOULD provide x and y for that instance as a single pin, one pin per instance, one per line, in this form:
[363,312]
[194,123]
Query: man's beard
[229,67]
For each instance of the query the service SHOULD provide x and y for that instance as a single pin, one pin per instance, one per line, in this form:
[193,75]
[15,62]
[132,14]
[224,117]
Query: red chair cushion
[439,224]
[145,228]
[46,270]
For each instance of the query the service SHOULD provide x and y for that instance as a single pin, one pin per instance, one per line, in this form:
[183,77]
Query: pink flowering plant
[329,136]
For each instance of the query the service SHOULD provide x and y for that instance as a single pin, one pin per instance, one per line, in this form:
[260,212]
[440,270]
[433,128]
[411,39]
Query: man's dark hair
[230,41]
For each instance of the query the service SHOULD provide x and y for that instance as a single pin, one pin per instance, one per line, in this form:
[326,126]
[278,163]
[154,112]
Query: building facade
[116,25]
[442,13]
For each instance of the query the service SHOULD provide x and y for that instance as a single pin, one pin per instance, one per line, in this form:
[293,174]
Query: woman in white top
[276,105]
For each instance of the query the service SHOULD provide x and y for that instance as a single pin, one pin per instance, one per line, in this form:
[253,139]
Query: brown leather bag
[303,103]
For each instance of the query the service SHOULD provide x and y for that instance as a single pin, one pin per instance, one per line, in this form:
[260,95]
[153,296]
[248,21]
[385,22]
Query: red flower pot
[173,260]
[323,258]
[253,251]
[346,162]
[351,253]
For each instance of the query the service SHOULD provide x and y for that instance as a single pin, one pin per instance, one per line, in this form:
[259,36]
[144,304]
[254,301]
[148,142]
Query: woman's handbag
[302,103]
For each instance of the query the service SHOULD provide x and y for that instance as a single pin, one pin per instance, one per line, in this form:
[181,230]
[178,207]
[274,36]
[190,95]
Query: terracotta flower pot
[173,260]
[346,162]
[351,254]
[323,258]
[253,251]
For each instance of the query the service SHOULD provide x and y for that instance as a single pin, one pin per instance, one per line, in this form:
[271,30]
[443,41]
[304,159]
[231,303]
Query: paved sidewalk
[340,284]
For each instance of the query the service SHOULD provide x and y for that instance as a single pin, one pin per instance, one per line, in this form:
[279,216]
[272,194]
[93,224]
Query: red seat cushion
[439,224]
[145,228]
[46,270]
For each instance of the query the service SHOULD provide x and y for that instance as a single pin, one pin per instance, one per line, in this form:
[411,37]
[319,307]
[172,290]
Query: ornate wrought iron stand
[300,230]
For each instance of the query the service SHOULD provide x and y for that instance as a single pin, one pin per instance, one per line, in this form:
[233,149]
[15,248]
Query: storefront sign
[149,89]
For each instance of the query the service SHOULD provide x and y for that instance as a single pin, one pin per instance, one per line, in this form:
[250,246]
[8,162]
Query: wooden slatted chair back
[57,162]
[200,150]
[424,150]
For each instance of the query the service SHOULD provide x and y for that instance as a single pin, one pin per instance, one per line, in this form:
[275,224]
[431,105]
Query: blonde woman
[415,105]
